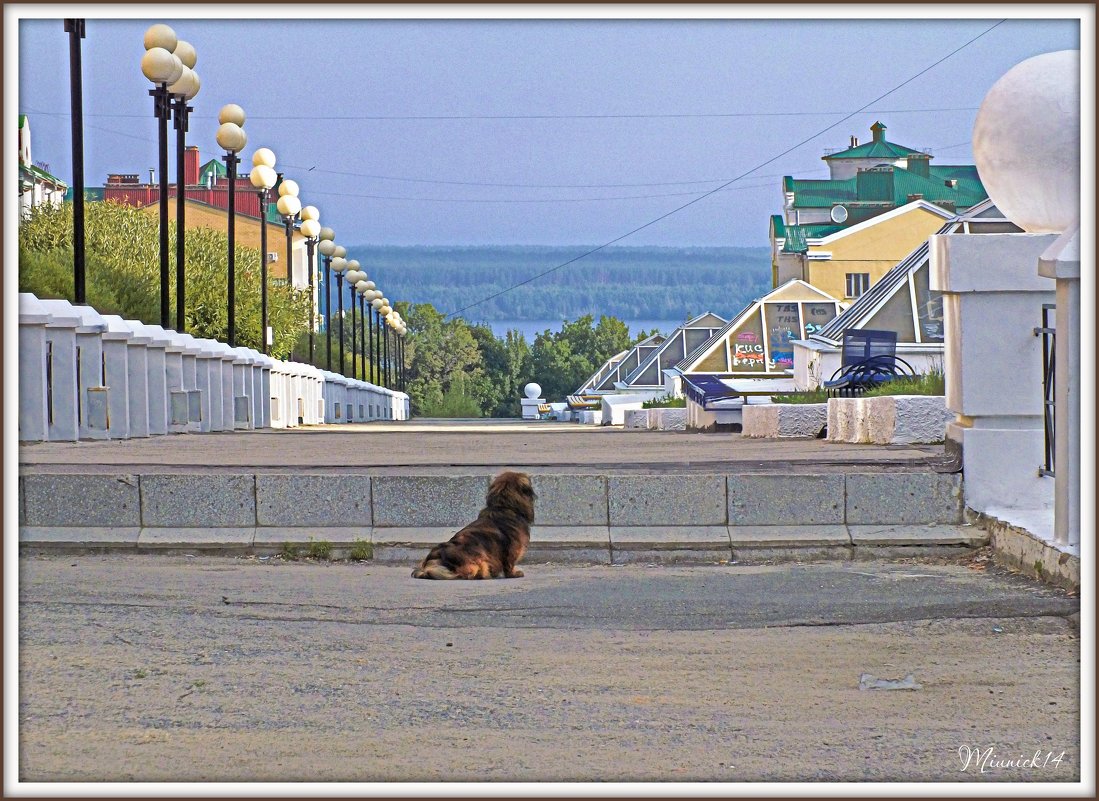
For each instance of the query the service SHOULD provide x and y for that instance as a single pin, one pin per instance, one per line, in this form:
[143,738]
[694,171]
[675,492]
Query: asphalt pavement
[169,668]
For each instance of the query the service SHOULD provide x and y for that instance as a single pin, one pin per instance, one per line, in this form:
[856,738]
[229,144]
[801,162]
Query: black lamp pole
[339,294]
[75,29]
[231,162]
[262,192]
[362,331]
[378,345]
[370,329]
[181,109]
[354,335]
[288,225]
[310,244]
[162,110]
[328,308]
[385,334]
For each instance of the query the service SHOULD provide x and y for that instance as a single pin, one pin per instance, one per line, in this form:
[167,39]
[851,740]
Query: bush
[361,551]
[319,549]
[122,259]
[934,383]
[811,396]
[665,402]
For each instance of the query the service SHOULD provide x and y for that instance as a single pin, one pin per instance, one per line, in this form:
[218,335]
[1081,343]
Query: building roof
[680,342]
[878,147]
[42,175]
[212,166]
[94,193]
[967,189]
[983,216]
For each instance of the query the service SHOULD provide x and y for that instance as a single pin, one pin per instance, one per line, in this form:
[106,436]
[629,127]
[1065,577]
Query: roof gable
[755,341]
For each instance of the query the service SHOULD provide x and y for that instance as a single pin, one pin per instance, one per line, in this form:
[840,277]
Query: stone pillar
[1062,263]
[992,301]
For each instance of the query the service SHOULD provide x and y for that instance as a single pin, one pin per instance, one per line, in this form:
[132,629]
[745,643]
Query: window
[857,283]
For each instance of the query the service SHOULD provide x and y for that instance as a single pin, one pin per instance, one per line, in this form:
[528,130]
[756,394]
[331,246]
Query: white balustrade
[83,375]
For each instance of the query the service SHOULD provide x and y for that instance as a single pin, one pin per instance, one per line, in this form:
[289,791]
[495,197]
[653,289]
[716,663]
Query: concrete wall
[701,515]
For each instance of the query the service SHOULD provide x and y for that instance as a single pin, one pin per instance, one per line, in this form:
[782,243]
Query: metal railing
[1048,332]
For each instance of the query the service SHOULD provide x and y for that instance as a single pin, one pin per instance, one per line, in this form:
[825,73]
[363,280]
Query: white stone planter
[907,419]
[888,420]
[775,420]
[668,419]
[637,419]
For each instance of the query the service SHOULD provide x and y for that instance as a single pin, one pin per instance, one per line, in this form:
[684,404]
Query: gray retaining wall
[608,517]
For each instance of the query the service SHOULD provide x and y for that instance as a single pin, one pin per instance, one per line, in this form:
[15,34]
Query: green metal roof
[797,236]
[878,148]
[874,150]
[216,167]
[94,193]
[40,173]
[967,191]
[778,225]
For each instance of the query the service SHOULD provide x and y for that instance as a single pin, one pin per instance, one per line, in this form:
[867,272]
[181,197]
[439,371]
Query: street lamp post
[353,276]
[339,265]
[375,305]
[360,291]
[182,91]
[311,229]
[75,29]
[288,206]
[327,248]
[163,67]
[368,299]
[232,139]
[383,313]
[263,177]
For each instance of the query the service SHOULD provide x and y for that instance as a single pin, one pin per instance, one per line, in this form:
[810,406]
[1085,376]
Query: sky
[533,131]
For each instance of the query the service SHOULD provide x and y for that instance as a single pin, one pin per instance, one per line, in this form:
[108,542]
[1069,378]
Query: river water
[531,328]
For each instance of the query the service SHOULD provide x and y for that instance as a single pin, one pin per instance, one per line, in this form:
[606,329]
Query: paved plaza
[166,668]
[435,447]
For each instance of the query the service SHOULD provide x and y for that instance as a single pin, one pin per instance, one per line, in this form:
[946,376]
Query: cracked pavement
[170,668]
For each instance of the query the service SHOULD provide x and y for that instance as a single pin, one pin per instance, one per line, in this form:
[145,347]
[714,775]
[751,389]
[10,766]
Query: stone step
[605,511]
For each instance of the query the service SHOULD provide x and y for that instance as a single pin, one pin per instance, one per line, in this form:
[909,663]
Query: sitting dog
[493,544]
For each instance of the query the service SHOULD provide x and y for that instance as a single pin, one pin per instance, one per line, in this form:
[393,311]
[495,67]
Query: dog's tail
[434,570]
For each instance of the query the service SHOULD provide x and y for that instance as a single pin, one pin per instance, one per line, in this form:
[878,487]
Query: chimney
[190,166]
[854,141]
[152,176]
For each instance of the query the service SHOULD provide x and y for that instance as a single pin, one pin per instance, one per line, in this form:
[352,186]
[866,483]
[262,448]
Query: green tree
[562,360]
[442,350]
[122,248]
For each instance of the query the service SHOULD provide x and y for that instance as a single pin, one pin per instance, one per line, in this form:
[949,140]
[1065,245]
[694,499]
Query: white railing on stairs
[84,375]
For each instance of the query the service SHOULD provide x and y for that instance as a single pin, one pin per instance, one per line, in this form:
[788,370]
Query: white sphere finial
[532,390]
[1026,142]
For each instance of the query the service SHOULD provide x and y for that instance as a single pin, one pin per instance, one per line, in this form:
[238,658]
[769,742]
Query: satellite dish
[838,214]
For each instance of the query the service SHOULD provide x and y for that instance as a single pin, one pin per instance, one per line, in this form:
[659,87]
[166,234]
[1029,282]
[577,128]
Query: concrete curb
[1018,549]
[600,517]
[549,544]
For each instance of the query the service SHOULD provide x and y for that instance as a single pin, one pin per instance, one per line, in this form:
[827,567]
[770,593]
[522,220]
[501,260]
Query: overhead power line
[459,117]
[705,195]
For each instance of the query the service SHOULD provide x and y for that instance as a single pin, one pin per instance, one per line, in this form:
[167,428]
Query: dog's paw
[516,574]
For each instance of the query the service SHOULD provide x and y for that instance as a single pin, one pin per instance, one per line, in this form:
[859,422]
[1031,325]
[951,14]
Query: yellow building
[846,262]
[247,232]
[880,201]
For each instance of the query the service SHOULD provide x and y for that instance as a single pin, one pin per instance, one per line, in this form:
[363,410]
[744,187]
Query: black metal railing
[1048,332]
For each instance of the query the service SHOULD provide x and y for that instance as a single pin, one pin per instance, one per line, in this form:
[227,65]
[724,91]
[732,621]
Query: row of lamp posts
[169,63]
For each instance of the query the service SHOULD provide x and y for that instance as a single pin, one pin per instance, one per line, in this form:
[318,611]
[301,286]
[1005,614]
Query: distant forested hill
[629,283]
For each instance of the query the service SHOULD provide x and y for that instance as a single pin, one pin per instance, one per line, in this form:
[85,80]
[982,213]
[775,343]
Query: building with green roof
[37,185]
[868,183]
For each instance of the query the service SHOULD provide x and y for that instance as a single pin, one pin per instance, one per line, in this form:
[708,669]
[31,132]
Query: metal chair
[869,359]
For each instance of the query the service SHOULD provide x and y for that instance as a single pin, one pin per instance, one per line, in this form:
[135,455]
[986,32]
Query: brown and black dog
[493,544]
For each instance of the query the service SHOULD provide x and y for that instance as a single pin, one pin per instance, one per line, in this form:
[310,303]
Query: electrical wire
[459,117]
[705,195]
